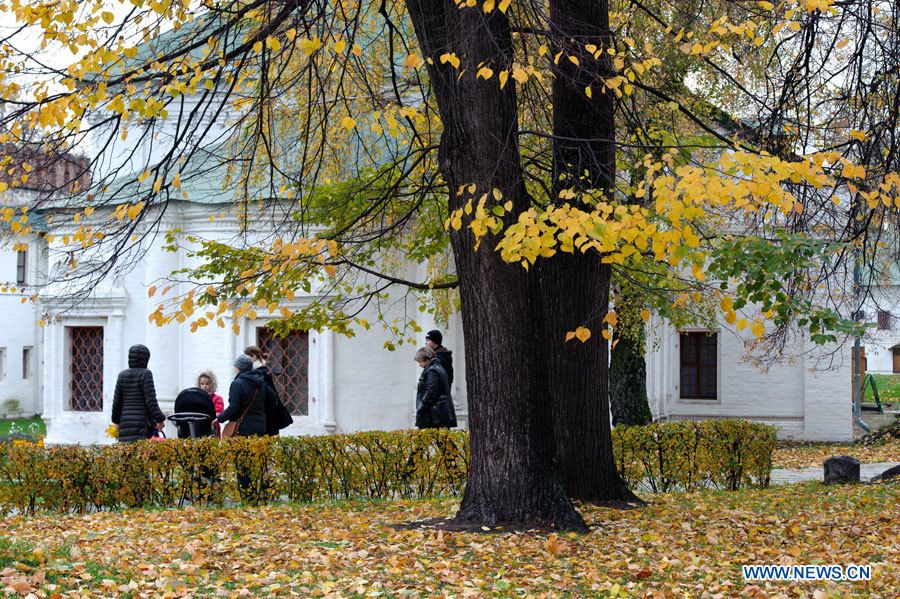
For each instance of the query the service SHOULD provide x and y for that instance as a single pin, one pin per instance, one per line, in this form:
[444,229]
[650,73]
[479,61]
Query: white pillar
[326,373]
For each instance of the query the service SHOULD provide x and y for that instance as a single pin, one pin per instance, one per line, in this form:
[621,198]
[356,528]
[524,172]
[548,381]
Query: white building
[699,373]
[331,383]
[882,345]
[21,265]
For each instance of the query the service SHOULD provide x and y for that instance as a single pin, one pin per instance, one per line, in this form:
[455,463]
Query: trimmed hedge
[387,465]
[688,455]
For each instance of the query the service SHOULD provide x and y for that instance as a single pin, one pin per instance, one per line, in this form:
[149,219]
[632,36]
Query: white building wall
[805,397]
[879,343]
[18,330]
[354,383]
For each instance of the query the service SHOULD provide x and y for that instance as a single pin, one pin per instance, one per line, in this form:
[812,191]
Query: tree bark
[575,287]
[512,478]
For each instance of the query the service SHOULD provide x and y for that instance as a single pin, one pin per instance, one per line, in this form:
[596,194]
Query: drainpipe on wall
[857,361]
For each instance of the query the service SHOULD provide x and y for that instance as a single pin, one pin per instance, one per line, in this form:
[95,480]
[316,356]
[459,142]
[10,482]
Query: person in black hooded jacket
[248,385]
[135,409]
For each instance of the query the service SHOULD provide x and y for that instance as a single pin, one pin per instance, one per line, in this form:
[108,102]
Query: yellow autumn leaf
[727,304]
[339,46]
[698,273]
[484,73]
[412,61]
[645,315]
[348,123]
[582,334]
[257,47]
[757,328]
[451,58]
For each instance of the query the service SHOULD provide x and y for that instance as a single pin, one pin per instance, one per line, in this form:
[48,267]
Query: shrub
[388,465]
[688,455]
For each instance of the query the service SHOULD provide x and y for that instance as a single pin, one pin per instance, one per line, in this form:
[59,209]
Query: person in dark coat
[433,387]
[248,385]
[277,415]
[433,340]
[135,410]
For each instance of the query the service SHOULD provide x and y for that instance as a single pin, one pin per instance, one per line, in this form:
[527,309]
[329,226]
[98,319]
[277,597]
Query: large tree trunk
[575,287]
[511,478]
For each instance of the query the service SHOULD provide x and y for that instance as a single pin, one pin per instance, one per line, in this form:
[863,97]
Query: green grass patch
[29,426]
[888,388]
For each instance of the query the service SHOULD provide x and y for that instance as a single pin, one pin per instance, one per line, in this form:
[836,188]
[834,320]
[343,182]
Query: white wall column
[326,378]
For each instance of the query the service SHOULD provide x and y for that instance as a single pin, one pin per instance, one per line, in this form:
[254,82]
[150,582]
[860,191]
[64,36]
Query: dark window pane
[698,379]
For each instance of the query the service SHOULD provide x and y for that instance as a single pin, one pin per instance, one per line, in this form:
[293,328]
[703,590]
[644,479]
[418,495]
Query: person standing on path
[277,415]
[135,411]
[434,406]
[433,340]
[248,386]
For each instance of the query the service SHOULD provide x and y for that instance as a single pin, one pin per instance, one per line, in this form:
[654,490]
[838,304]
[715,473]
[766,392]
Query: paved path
[781,476]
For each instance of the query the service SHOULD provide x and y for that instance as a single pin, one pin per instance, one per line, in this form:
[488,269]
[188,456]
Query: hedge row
[686,455]
[392,465]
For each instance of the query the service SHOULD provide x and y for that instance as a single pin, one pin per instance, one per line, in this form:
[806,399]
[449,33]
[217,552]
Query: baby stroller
[194,413]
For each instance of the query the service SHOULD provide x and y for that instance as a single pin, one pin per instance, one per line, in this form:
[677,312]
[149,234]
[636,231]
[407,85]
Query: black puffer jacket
[242,391]
[134,402]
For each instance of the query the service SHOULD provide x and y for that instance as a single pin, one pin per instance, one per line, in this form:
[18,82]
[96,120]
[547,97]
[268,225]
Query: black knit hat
[435,336]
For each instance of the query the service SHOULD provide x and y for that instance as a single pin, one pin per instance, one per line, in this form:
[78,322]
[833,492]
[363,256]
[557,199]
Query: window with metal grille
[86,370]
[884,320]
[698,365]
[21,270]
[289,362]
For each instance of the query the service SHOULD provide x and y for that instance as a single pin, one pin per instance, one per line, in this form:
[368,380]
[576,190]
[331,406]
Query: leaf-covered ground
[807,455]
[681,544]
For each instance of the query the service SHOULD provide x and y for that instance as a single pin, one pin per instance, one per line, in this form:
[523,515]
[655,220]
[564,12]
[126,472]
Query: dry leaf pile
[808,455]
[689,544]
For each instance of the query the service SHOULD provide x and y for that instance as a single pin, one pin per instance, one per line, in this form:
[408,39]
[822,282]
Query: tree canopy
[730,159]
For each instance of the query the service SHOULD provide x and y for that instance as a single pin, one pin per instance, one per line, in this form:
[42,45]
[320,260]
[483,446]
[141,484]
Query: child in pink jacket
[207,381]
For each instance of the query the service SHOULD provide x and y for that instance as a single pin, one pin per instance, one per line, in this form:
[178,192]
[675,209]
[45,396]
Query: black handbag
[277,414]
[442,413]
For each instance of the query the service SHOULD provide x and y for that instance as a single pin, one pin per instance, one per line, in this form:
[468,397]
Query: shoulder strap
[249,405]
